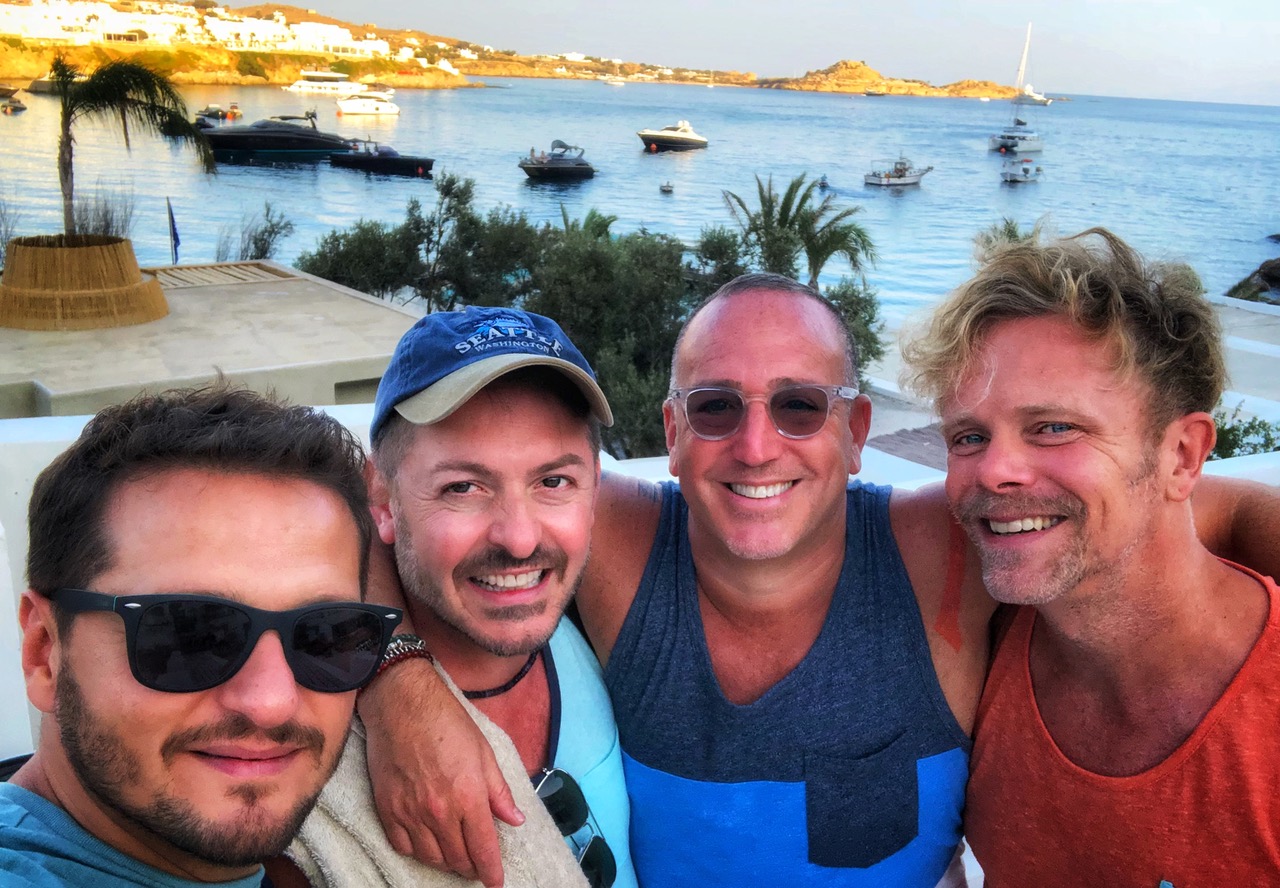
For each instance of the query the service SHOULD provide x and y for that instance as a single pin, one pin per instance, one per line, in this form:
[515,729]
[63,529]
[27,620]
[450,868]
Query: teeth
[511,581]
[753,491]
[1022,525]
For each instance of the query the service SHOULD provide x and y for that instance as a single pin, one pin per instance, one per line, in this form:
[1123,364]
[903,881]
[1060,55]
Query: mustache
[498,559]
[238,726]
[978,505]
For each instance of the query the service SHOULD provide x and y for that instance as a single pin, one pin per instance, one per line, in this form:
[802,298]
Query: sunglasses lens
[564,800]
[799,411]
[335,649]
[713,413]
[185,646]
[598,864]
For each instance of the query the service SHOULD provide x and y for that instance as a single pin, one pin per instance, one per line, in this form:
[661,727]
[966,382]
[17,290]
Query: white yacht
[676,137]
[1017,138]
[370,102]
[325,83]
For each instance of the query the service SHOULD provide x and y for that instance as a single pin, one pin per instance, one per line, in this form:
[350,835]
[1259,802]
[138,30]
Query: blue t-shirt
[41,846]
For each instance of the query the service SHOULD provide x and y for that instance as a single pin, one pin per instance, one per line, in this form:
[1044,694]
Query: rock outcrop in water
[1263,285]
[858,77]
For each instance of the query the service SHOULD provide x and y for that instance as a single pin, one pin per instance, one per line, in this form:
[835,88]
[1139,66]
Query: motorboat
[677,137]
[1017,138]
[374,158]
[325,83]
[286,137]
[873,93]
[667,188]
[1018,171]
[371,102]
[895,172]
[12,105]
[560,164]
[217,112]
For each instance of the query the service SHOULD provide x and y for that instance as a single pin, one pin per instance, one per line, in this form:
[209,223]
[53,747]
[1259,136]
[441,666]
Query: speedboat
[325,83]
[1020,171]
[374,158]
[371,102]
[677,137]
[217,112]
[1017,138]
[12,106]
[558,166]
[287,137]
[895,172]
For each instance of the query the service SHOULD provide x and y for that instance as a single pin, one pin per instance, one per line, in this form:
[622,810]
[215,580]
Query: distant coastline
[206,48]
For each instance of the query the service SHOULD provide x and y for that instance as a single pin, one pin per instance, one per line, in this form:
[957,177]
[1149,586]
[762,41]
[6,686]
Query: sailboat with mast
[1018,138]
[1026,92]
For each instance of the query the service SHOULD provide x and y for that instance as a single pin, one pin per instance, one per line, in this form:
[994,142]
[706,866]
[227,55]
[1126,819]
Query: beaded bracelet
[403,647]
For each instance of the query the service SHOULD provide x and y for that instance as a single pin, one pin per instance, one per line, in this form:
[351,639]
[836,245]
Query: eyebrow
[481,470]
[1029,411]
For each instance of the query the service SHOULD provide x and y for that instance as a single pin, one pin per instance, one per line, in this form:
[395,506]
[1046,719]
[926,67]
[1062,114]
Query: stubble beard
[421,586]
[106,767]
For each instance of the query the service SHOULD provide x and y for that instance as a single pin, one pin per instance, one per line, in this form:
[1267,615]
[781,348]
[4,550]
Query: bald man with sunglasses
[194,633]
[794,659]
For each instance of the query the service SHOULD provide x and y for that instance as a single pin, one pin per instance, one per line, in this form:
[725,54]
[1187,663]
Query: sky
[1195,50]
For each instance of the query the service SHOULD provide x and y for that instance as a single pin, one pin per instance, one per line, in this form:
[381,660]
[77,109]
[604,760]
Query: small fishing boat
[1020,171]
[666,188]
[895,172]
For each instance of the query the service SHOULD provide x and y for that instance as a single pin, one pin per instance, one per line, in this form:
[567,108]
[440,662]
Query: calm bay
[1179,180]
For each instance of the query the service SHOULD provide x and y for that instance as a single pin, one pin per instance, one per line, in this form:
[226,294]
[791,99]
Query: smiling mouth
[510,582]
[1023,525]
[761,491]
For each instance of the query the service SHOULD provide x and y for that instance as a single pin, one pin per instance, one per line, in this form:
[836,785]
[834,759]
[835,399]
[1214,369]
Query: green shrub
[857,303]
[1237,437]
[260,236]
[249,64]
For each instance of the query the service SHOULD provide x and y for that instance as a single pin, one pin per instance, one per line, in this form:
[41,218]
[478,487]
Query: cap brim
[442,398]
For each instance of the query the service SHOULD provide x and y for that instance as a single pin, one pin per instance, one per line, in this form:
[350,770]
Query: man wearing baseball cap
[483,480]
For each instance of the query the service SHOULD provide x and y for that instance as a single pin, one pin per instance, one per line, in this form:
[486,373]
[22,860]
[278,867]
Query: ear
[1188,441]
[380,502]
[41,649]
[669,428]
[859,429]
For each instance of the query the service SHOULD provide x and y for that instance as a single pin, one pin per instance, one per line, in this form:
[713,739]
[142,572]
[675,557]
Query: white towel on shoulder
[342,845]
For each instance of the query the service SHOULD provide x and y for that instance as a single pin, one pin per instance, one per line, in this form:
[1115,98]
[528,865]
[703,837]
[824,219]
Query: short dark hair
[217,427]
[394,437]
[767,281]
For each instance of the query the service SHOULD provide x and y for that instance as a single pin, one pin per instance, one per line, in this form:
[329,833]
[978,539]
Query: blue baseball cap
[448,356]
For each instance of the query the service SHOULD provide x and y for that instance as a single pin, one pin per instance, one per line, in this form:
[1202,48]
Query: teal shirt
[41,845]
[585,743]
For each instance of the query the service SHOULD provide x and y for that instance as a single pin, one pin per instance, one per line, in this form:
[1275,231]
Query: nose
[1005,463]
[757,440]
[514,527]
[264,689]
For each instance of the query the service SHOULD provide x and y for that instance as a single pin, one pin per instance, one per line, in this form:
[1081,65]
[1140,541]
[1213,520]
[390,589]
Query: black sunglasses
[568,808]
[797,411]
[187,643]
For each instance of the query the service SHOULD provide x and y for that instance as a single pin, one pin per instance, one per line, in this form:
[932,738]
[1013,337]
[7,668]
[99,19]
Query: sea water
[1179,180]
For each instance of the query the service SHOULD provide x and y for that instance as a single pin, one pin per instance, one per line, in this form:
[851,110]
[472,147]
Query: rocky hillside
[858,77]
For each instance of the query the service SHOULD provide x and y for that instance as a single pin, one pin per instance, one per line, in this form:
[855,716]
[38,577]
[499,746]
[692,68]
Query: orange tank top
[1208,816]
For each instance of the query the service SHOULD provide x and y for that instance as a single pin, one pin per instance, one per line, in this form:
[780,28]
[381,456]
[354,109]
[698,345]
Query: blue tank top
[850,771]
[584,740]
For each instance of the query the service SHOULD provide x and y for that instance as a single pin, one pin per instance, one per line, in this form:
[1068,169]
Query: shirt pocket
[859,811]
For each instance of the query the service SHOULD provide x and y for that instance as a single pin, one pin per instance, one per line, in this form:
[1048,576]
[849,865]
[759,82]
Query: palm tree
[786,225]
[138,96]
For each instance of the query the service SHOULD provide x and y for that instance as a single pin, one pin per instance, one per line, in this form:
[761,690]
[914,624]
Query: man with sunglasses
[484,475]
[794,660]
[194,635]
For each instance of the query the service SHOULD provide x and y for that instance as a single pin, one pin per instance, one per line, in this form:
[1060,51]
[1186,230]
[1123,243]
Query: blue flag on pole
[174,240]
